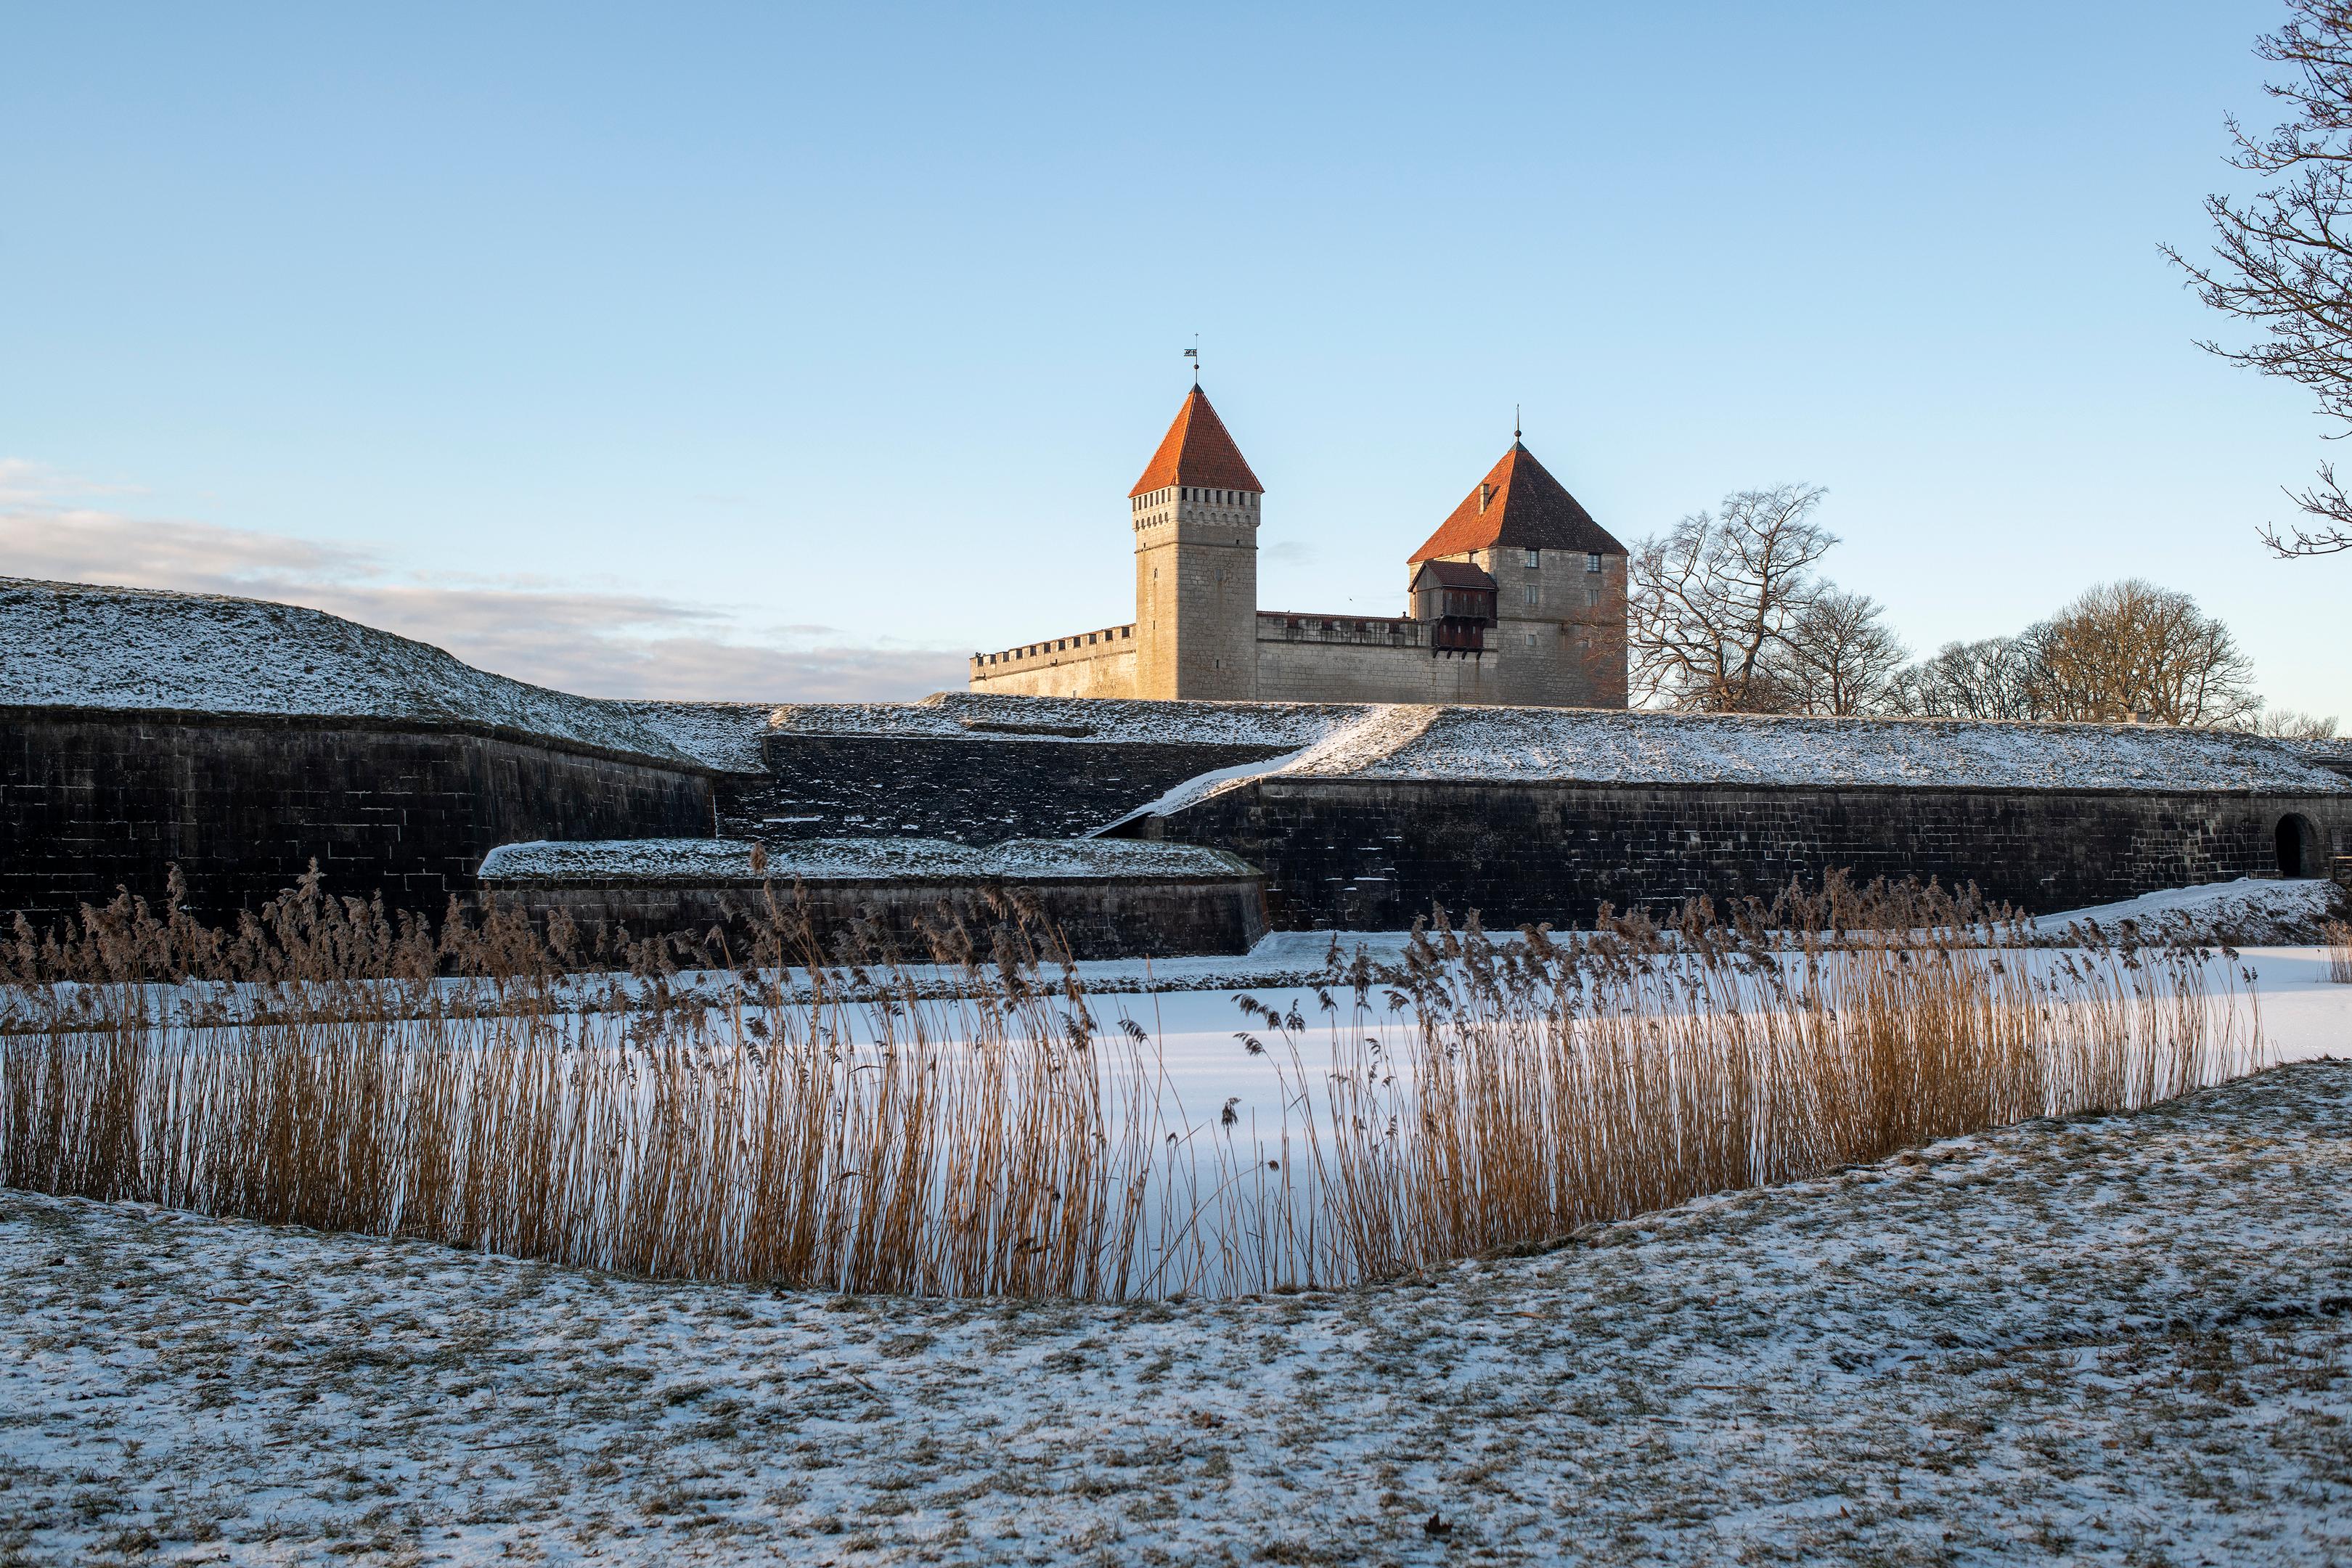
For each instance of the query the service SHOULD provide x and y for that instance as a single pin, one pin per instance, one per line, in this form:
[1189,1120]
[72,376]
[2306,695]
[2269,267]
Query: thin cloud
[594,643]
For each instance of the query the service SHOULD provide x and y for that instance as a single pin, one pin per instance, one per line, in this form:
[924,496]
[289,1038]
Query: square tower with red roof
[1195,512]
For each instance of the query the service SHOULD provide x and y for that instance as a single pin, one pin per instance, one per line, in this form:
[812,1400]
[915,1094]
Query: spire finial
[1515,423]
[1193,353]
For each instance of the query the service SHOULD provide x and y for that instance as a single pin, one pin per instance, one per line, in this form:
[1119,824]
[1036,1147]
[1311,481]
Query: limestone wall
[1196,597]
[1104,671]
[1099,663]
[1560,637]
[1310,667]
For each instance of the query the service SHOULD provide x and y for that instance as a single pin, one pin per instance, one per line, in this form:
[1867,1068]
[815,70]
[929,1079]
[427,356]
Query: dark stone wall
[1096,918]
[1370,856]
[92,801]
[972,791]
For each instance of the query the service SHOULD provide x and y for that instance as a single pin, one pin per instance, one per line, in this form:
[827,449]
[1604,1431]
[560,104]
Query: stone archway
[2299,851]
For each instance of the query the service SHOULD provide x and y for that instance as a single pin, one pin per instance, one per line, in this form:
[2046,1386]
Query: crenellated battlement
[1099,643]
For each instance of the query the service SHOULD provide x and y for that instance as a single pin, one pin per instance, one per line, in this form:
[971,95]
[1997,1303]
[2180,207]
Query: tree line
[1727,611]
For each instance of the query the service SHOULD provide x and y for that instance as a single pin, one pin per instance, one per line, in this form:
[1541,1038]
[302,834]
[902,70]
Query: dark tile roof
[1454,574]
[1525,509]
[1197,450]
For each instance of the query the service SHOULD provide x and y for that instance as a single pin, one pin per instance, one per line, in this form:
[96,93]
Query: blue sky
[758,353]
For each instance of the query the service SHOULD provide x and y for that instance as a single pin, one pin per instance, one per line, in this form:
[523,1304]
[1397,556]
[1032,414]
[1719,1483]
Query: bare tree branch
[2284,258]
[1713,603]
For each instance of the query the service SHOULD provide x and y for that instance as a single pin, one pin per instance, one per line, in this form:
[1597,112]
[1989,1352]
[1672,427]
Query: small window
[1530,592]
[1591,596]
[1535,560]
[1593,561]
[1531,639]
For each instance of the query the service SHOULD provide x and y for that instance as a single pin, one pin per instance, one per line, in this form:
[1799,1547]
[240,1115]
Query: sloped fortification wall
[978,768]
[1531,815]
[1371,855]
[241,738]
[93,800]
[1100,898]
[969,789]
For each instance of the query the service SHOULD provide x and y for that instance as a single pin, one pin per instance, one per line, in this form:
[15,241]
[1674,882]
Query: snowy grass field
[2105,1336]
[2119,1340]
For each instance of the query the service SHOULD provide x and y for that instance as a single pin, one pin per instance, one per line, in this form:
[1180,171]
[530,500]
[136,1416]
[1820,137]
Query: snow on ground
[1593,746]
[2248,912]
[968,714]
[721,735]
[713,860]
[74,646]
[2115,1341]
[1600,746]
[2333,752]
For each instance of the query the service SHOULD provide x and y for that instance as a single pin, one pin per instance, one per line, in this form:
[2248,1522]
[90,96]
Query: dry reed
[833,1124]
[2337,935]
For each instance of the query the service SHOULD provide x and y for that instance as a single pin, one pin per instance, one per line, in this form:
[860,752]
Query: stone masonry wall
[1101,670]
[1306,672]
[1557,651]
[1096,918]
[1374,854]
[971,790]
[92,800]
[1196,601]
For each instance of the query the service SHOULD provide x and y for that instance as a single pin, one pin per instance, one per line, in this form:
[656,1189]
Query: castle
[1517,598]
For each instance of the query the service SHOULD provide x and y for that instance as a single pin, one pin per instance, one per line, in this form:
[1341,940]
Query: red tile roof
[1525,509]
[1197,451]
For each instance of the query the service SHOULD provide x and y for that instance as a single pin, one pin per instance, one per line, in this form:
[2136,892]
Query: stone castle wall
[91,800]
[1328,658]
[1196,598]
[1198,633]
[1567,648]
[1090,664]
[1093,918]
[1375,854]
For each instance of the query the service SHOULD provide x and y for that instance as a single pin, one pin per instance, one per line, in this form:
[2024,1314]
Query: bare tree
[2284,256]
[2132,651]
[1841,655]
[2286,724]
[1713,603]
[1995,677]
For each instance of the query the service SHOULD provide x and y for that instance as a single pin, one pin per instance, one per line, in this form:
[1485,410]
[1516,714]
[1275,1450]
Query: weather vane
[1193,353]
[1515,422]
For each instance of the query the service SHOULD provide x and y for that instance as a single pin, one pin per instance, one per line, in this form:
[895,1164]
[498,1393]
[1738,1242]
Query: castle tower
[1559,638]
[1195,512]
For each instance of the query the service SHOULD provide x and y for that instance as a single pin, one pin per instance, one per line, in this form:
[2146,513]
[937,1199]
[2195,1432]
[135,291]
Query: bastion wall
[850,921]
[91,800]
[970,789]
[1363,854]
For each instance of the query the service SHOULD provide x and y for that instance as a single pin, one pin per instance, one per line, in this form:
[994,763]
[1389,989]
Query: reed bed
[487,1084]
[2337,935]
